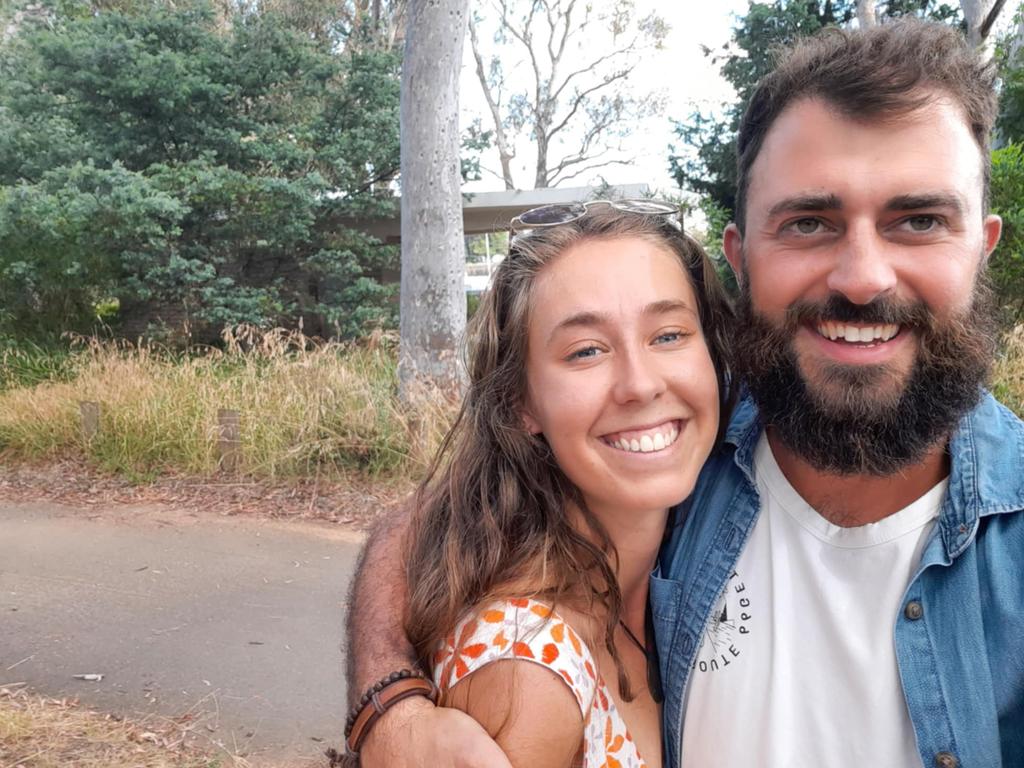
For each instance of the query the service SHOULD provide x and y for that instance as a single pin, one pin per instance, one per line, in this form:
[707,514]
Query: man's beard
[862,419]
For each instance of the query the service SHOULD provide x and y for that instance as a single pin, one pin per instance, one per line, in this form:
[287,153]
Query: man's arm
[377,644]
[414,733]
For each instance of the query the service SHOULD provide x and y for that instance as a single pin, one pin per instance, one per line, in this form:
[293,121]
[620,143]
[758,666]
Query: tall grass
[307,409]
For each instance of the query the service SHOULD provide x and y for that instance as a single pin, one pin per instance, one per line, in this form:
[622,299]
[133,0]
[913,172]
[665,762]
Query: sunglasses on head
[556,215]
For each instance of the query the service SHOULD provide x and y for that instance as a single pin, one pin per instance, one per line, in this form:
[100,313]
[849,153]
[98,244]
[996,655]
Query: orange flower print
[558,632]
[522,650]
[541,610]
[526,629]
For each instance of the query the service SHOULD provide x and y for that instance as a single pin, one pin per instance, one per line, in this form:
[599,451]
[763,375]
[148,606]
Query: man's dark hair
[885,71]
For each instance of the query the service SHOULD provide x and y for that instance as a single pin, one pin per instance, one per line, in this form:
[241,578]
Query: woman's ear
[530,422]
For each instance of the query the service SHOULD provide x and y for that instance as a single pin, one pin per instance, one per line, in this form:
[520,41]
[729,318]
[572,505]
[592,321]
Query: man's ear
[993,228]
[732,244]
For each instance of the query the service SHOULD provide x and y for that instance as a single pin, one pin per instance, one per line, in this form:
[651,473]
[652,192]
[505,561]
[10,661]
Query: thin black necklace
[650,655]
[636,641]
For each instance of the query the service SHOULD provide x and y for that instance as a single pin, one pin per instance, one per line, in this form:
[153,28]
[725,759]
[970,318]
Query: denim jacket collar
[987,449]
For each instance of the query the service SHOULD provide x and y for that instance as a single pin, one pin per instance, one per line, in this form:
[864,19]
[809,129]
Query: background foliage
[179,168]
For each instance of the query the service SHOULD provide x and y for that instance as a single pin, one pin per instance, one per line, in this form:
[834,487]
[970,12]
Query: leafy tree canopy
[195,166]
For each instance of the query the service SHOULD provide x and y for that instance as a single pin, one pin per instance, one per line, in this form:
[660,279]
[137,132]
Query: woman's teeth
[646,442]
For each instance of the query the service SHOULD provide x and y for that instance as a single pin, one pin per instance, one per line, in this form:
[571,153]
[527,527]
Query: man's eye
[806,226]
[921,223]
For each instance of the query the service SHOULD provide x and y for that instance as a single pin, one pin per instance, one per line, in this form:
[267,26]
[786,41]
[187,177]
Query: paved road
[237,621]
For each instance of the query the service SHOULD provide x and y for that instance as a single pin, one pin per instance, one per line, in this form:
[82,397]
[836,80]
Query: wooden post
[90,414]
[229,443]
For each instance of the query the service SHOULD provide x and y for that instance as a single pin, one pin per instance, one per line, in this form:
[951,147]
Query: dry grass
[1009,371]
[308,410]
[38,732]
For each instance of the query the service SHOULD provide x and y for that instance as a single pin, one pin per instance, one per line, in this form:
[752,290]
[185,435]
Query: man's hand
[416,734]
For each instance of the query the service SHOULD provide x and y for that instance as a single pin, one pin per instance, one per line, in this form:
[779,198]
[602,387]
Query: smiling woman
[597,381]
[616,359]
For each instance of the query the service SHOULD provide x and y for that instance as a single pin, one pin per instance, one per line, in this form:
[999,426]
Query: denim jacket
[960,644]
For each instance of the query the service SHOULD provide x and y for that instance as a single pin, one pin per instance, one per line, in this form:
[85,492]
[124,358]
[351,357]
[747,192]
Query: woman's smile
[644,439]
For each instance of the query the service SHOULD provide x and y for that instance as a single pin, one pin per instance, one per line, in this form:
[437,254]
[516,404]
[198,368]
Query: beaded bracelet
[380,697]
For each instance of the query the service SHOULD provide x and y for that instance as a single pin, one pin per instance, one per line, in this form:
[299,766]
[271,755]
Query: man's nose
[862,271]
[638,377]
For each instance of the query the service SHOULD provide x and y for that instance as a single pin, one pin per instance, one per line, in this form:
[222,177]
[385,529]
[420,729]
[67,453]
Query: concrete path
[236,621]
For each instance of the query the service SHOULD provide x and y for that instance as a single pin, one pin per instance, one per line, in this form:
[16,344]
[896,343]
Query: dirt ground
[355,503]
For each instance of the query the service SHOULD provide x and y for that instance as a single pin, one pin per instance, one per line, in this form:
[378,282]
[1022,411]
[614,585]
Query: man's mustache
[882,311]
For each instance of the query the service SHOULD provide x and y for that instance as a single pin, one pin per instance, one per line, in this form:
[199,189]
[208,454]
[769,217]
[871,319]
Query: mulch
[353,503]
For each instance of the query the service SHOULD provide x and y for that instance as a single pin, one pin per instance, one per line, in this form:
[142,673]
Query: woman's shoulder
[524,673]
[522,629]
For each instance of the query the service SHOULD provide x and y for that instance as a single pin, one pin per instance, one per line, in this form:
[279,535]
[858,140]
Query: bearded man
[845,587]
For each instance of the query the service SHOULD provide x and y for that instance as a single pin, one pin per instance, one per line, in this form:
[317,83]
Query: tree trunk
[433,299]
[980,16]
[866,15]
[540,180]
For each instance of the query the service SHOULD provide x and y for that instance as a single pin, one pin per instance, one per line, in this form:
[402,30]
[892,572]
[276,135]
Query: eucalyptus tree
[572,96]
[433,301]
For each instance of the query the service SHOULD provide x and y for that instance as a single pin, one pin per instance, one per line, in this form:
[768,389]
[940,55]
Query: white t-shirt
[797,668]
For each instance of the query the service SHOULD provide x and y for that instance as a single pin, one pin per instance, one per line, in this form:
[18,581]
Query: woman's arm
[414,733]
[528,710]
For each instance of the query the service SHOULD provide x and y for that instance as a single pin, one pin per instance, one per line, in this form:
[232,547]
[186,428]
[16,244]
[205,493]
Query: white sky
[680,71]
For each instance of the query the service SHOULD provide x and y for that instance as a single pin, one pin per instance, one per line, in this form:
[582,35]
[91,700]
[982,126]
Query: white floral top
[526,629]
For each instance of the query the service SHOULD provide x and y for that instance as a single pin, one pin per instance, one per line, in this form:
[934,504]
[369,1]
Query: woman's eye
[583,354]
[669,338]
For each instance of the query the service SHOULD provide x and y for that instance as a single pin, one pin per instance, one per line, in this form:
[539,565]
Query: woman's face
[620,381]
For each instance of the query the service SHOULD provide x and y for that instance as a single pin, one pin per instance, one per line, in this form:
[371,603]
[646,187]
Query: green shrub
[1006,265]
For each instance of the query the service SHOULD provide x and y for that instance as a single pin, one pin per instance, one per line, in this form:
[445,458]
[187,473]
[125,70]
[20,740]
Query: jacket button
[946,760]
[914,611]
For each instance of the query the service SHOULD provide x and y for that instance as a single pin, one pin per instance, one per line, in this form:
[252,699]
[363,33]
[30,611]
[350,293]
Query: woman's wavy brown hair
[491,516]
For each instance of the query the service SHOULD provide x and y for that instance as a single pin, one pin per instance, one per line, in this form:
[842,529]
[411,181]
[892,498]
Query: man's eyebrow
[925,200]
[824,202]
[589,318]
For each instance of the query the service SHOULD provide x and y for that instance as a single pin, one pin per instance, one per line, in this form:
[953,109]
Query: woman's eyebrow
[578,320]
[665,306]
[589,318]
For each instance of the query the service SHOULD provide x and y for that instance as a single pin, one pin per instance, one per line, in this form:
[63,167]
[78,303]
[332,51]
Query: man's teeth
[648,442]
[857,333]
